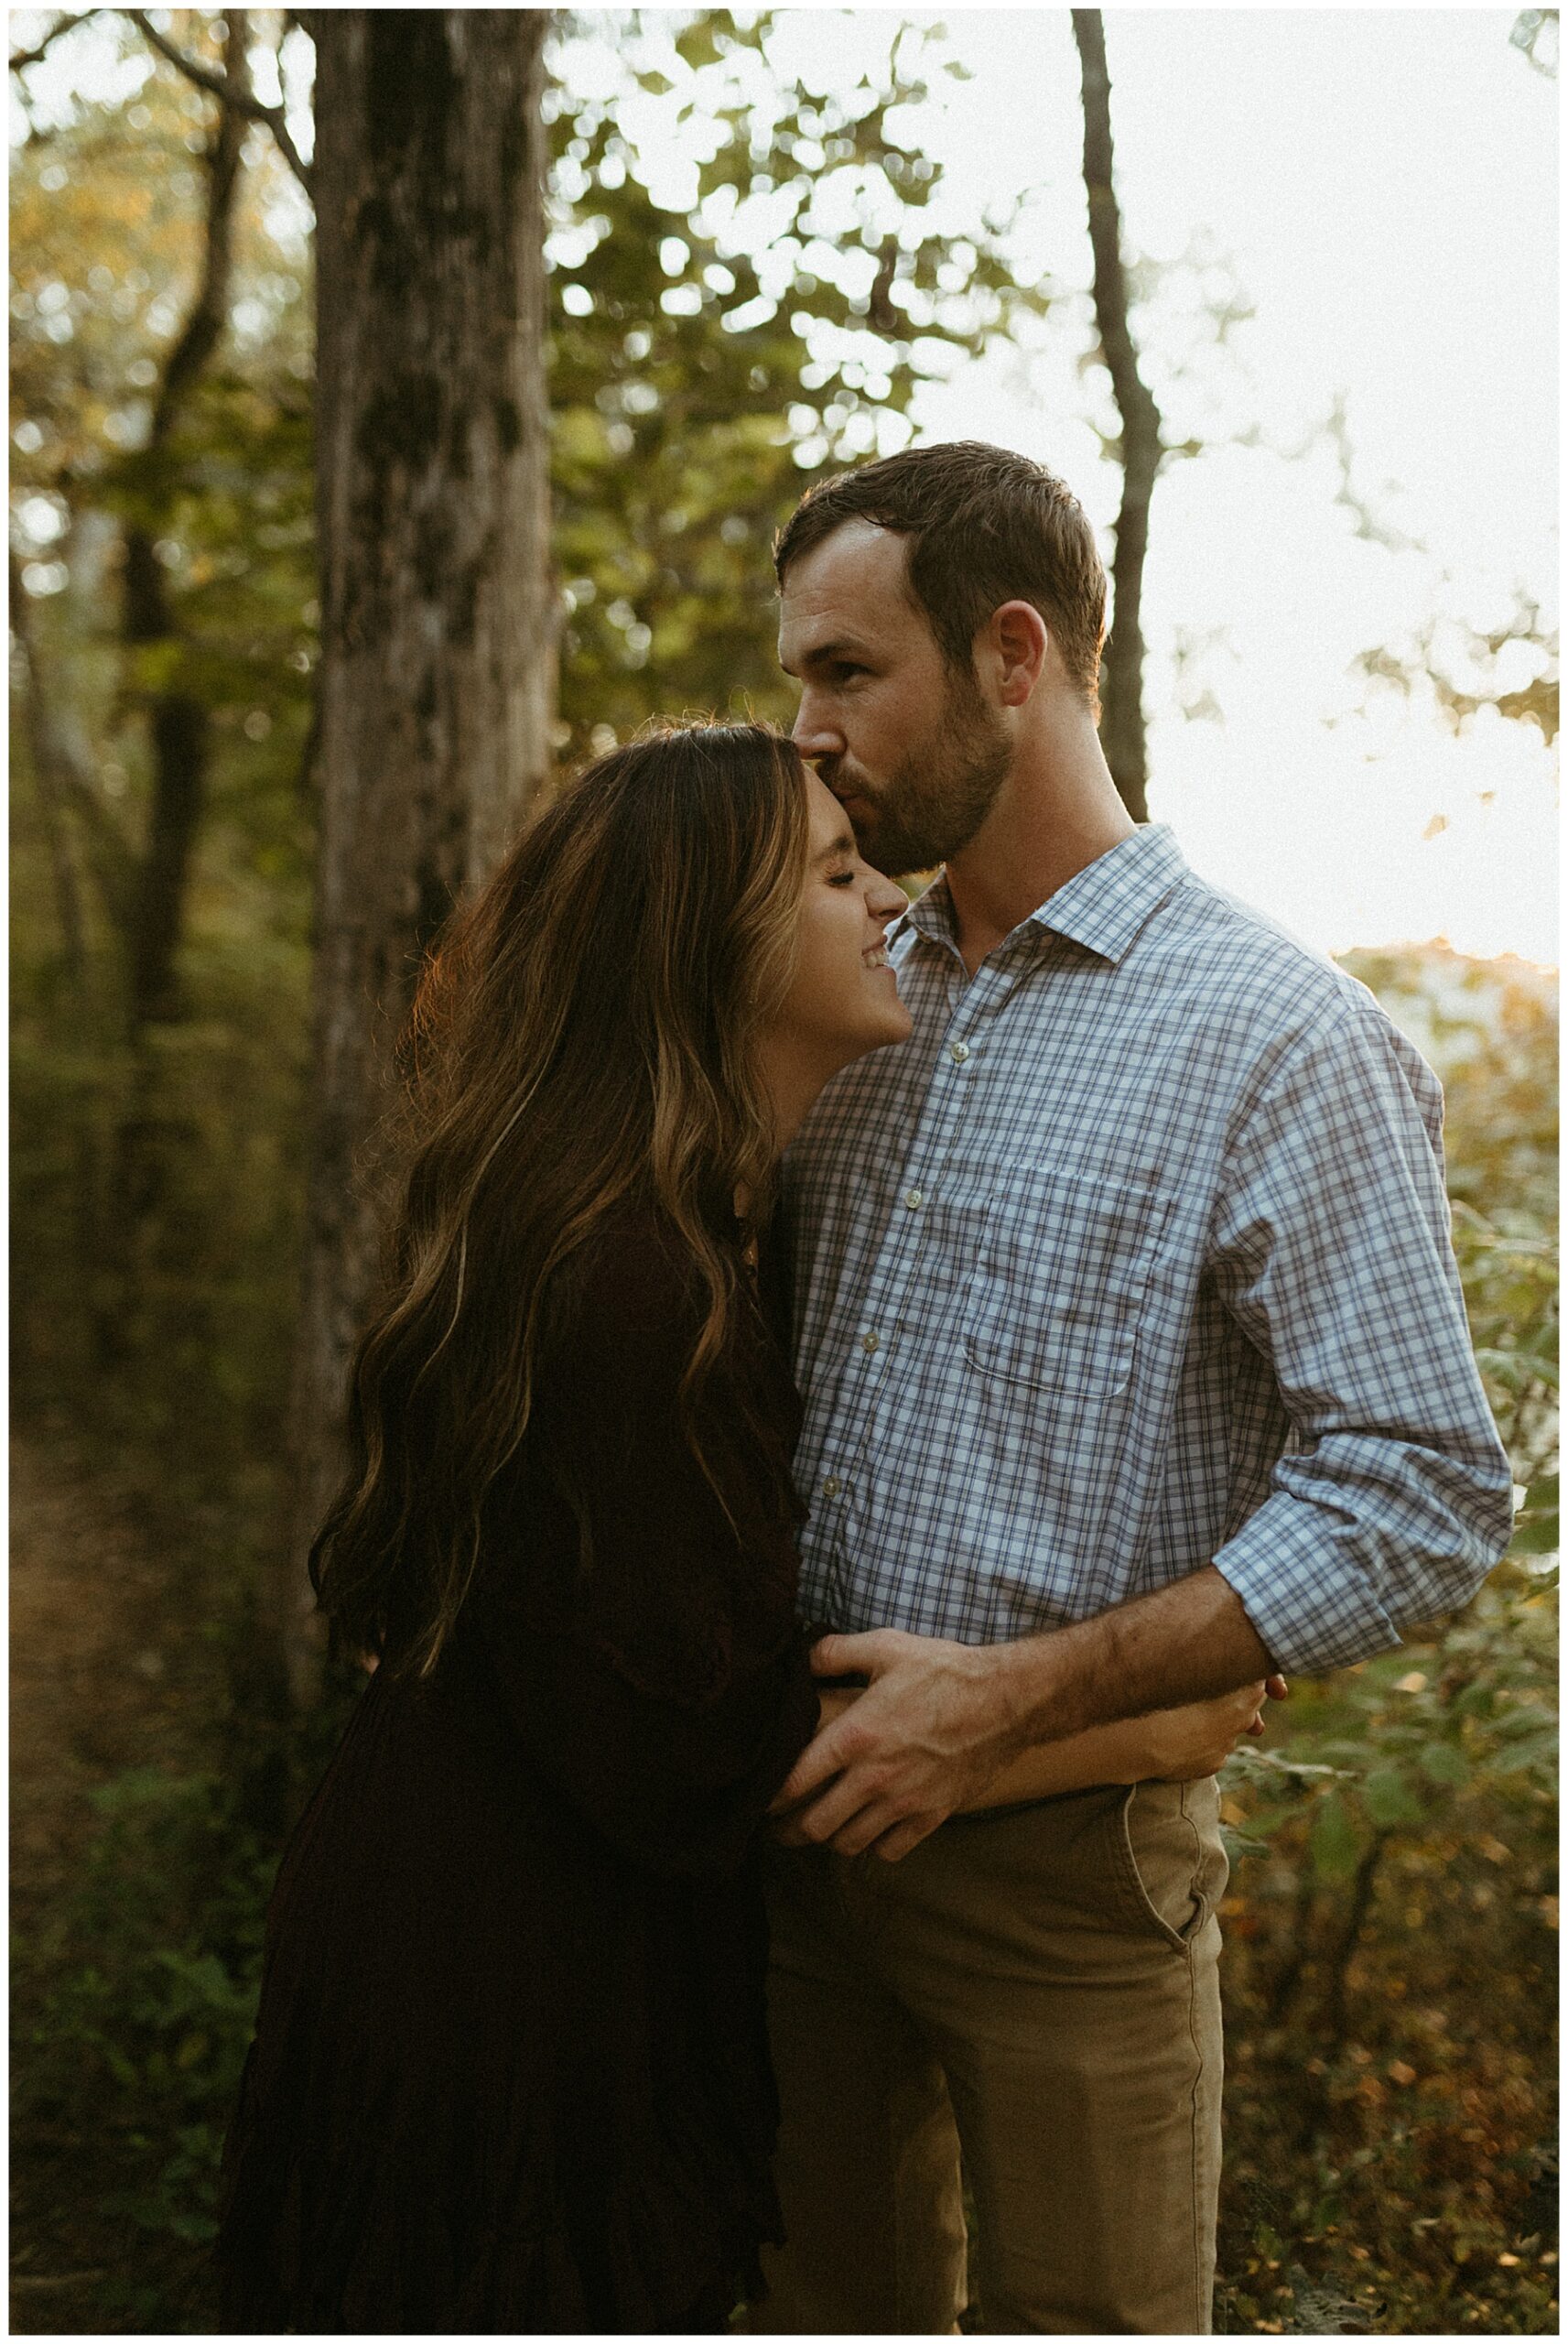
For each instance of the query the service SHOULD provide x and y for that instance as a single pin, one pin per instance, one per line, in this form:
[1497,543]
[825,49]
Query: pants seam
[1201,2326]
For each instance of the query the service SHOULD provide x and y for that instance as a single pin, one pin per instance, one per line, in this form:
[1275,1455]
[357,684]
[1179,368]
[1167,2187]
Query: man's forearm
[1185,1643]
[939,1722]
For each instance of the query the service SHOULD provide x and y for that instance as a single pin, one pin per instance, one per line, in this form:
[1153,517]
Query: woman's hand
[1181,1745]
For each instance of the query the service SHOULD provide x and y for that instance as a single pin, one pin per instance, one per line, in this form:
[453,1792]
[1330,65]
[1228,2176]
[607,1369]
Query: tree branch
[231,92]
[25,57]
[1121,731]
[203,328]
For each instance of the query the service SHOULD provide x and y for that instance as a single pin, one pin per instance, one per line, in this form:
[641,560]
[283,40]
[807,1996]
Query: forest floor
[94,1690]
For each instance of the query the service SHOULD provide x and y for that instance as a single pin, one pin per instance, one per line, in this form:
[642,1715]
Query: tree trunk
[152,1136]
[1121,670]
[179,722]
[437,613]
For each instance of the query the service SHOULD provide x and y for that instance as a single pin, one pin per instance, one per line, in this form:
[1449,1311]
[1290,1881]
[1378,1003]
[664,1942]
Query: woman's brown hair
[584,1034]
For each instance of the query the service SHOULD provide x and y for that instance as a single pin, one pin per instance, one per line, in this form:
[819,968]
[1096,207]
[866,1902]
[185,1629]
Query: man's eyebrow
[843,844]
[820,653]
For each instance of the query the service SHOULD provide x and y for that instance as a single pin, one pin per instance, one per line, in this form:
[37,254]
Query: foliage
[131,2016]
[808,279]
[158,2007]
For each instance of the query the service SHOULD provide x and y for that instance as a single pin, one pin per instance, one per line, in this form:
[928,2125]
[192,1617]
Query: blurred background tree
[720,328]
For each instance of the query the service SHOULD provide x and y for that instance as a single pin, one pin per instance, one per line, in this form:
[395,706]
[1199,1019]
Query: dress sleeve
[642,1616]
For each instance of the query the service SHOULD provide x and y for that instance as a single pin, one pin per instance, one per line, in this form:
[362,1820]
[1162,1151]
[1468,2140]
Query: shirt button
[831,1486]
[914,1198]
[959,1052]
[870,1340]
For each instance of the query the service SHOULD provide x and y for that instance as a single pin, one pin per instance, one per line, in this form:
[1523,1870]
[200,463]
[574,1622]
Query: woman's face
[843,998]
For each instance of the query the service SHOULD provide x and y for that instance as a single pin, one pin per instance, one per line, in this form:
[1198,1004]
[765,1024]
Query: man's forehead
[855,580]
[856,551]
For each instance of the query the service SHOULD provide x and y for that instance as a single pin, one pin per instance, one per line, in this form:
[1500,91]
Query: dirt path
[92,1691]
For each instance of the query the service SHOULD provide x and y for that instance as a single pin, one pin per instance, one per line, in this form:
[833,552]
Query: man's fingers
[902,1837]
[861,1831]
[819,1819]
[823,1756]
[860,1656]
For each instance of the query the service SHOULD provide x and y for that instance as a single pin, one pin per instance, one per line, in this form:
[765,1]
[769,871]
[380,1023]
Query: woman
[510,2069]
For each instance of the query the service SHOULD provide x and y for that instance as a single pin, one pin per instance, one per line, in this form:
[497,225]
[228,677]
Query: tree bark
[178,722]
[437,613]
[1122,669]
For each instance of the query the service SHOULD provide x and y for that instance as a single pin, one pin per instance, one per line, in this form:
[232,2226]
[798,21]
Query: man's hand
[925,1738]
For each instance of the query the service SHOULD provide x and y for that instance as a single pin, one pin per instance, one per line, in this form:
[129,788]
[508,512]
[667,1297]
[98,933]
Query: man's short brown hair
[985,526]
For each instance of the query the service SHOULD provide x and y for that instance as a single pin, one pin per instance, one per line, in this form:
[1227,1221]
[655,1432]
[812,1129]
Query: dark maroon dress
[511,2068]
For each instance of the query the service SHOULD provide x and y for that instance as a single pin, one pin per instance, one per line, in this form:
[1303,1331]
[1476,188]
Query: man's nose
[812,733]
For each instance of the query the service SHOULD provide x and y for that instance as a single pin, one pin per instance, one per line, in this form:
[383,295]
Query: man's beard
[931,807]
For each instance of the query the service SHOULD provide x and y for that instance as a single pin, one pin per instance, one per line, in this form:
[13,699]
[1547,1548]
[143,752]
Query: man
[1136,1368]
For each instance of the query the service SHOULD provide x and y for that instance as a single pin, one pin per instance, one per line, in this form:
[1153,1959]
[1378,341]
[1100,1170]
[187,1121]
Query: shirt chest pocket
[1062,1279]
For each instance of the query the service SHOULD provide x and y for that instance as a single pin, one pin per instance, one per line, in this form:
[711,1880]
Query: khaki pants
[1037,1992]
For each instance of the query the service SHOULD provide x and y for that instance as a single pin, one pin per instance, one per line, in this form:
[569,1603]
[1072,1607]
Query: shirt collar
[1102,907]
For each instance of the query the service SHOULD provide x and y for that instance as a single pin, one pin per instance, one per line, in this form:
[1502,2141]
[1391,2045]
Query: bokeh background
[779,241]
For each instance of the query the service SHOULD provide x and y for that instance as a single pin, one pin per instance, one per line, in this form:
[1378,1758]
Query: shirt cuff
[1309,1600]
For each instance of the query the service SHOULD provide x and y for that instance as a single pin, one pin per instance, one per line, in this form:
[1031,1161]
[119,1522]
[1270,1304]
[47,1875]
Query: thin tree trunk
[436,624]
[44,751]
[66,785]
[1121,672]
[1336,2002]
[1300,1951]
[178,723]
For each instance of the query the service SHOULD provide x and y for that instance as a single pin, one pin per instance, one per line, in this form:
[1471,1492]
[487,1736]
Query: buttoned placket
[954,1068]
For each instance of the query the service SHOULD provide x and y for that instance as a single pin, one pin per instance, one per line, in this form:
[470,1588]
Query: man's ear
[1016,639]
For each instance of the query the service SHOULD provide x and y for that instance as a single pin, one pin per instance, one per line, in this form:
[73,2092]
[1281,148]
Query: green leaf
[1388,1800]
[1536,1534]
[199,2229]
[1443,1762]
[1334,1846]
[1539,1751]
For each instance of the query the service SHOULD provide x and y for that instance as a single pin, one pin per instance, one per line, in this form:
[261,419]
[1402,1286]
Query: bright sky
[1383,186]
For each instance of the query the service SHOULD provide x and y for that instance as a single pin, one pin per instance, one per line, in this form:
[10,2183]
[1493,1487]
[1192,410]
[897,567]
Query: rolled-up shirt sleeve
[1331,1250]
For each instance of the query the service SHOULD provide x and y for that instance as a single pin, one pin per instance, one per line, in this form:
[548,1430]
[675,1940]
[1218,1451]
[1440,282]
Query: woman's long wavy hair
[586,1033]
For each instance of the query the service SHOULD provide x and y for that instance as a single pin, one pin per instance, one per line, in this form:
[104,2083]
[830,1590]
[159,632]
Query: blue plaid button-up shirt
[1135,1257]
